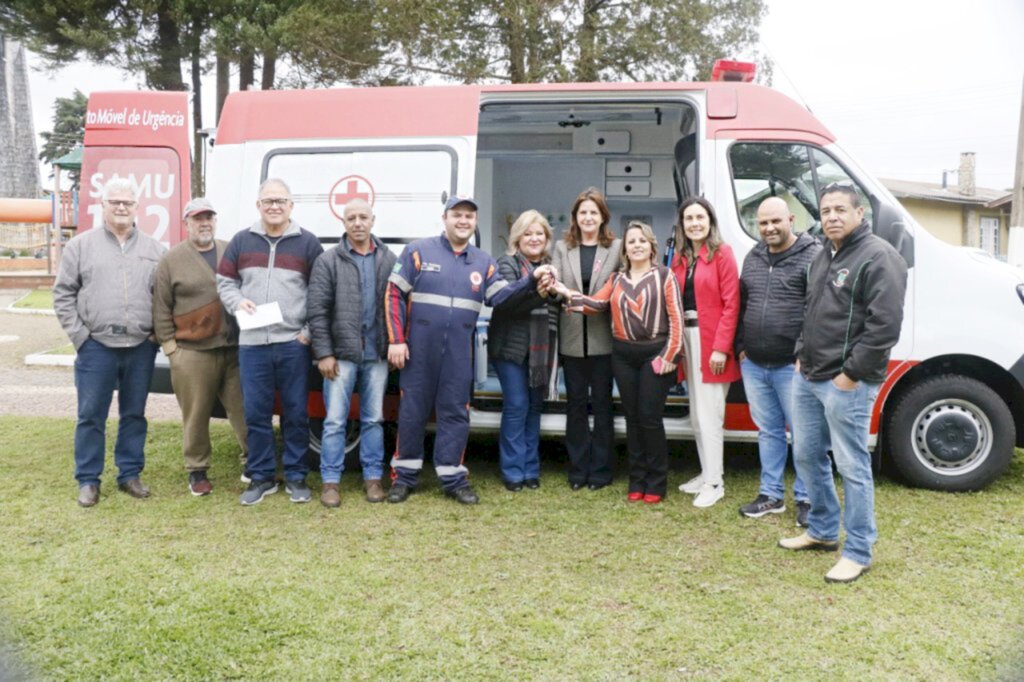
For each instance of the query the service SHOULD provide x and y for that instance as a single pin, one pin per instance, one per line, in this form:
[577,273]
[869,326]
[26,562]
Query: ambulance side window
[794,172]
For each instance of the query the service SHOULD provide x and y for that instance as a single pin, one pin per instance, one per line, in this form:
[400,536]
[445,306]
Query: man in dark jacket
[346,319]
[772,289]
[855,292]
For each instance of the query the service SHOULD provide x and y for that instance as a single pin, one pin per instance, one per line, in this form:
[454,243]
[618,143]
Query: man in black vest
[772,289]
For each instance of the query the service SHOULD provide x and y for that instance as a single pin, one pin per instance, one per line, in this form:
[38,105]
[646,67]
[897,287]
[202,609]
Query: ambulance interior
[540,155]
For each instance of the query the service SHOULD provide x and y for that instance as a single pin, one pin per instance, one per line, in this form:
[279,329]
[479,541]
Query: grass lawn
[37,299]
[543,584]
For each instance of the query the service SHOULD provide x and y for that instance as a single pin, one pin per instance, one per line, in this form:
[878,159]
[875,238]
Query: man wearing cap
[199,338]
[435,294]
[103,297]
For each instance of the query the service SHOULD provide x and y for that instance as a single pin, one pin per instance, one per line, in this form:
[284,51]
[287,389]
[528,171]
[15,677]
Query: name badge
[430,267]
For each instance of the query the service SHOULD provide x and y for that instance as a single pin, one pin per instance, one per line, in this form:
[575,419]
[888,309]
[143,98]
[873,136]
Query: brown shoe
[88,495]
[374,490]
[329,495]
[134,488]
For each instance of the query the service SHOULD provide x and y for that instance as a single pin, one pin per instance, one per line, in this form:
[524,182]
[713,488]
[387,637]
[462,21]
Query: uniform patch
[397,268]
[430,267]
[840,277]
[476,279]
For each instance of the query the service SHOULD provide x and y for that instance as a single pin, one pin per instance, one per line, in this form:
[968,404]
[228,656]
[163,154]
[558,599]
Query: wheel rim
[952,437]
[351,437]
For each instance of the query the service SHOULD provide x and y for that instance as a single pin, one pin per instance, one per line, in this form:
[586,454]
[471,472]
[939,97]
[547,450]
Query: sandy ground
[37,391]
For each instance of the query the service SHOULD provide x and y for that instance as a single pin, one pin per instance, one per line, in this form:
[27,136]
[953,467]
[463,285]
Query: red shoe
[652,499]
[635,497]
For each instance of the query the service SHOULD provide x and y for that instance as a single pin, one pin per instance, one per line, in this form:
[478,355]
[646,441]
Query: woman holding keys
[584,260]
[647,341]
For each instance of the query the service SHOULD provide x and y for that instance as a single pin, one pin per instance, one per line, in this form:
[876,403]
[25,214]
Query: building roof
[932,191]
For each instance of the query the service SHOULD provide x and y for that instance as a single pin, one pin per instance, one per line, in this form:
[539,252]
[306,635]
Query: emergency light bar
[728,70]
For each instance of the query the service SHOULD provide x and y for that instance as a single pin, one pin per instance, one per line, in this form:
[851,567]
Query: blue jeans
[98,370]
[370,377]
[770,395]
[822,412]
[519,440]
[284,368]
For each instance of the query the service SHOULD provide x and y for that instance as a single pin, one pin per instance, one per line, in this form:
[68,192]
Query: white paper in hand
[265,315]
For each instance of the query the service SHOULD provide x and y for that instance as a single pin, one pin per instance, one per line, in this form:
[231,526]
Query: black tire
[949,433]
[316,431]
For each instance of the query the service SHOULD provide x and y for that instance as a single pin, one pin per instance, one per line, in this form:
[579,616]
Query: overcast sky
[905,85]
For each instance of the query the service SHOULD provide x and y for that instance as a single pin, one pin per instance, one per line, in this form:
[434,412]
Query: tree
[413,41]
[68,130]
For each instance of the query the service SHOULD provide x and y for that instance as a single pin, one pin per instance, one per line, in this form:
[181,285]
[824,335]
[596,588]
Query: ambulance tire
[950,433]
[316,431]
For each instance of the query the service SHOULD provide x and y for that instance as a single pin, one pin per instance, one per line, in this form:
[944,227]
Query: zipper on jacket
[764,306]
[270,272]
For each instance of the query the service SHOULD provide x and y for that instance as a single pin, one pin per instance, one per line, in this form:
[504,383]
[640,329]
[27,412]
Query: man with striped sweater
[270,263]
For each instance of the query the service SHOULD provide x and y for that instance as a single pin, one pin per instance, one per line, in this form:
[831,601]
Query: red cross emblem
[345,190]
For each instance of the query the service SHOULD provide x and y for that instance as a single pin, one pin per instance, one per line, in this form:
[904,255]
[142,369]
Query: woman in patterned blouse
[647,341]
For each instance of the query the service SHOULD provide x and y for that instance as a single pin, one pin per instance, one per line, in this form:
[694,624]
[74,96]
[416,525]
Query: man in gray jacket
[103,297]
[346,319]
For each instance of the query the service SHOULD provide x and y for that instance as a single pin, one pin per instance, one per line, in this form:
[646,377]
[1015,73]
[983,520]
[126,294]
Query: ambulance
[952,407]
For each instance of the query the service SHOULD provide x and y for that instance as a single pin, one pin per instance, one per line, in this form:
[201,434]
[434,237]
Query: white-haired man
[103,297]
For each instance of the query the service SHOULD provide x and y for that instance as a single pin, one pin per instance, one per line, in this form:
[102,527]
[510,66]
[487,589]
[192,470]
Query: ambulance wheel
[949,433]
[316,431]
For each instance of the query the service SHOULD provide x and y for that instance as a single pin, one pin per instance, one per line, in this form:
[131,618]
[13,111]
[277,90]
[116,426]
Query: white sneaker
[708,495]
[693,486]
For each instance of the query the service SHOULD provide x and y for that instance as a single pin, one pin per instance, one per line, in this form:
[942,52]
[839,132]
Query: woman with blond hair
[520,346]
[584,260]
[647,342]
[707,274]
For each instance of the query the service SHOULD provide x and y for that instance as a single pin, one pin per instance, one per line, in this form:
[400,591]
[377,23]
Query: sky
[905,85]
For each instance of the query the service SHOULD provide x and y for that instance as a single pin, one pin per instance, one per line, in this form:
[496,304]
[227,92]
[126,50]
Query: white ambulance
[952,408]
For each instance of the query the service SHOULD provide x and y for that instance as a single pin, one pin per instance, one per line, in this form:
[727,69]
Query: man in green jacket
[199,338]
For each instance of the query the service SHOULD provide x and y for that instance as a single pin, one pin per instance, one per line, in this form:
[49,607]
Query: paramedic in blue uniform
[435,294]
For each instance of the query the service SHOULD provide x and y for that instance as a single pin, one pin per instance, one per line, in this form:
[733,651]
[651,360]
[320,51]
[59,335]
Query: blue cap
[454,200]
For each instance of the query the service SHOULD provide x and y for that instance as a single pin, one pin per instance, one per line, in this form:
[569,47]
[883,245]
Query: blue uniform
[433,302]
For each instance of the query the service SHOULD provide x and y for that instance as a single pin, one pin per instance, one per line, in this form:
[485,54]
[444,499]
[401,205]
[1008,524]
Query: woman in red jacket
[707,274]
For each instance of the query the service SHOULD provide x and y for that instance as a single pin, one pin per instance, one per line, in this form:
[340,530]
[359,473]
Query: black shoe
[802,510]
[576,486]
[399,493]
[532,483]
[762,505]
[598,486]
[513,487]
[463,496]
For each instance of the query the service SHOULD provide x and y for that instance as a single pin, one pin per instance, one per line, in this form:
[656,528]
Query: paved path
[38,391]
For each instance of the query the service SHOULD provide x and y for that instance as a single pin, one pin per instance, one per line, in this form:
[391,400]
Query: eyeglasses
[120,203]
[267,203]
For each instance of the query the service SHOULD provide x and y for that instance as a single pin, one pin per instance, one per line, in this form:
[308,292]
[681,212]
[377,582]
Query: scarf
[542,340]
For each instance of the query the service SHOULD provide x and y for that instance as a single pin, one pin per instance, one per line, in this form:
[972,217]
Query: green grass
[543,584]
[37,299]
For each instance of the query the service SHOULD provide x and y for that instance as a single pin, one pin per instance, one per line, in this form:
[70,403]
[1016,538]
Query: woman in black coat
[519,346]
